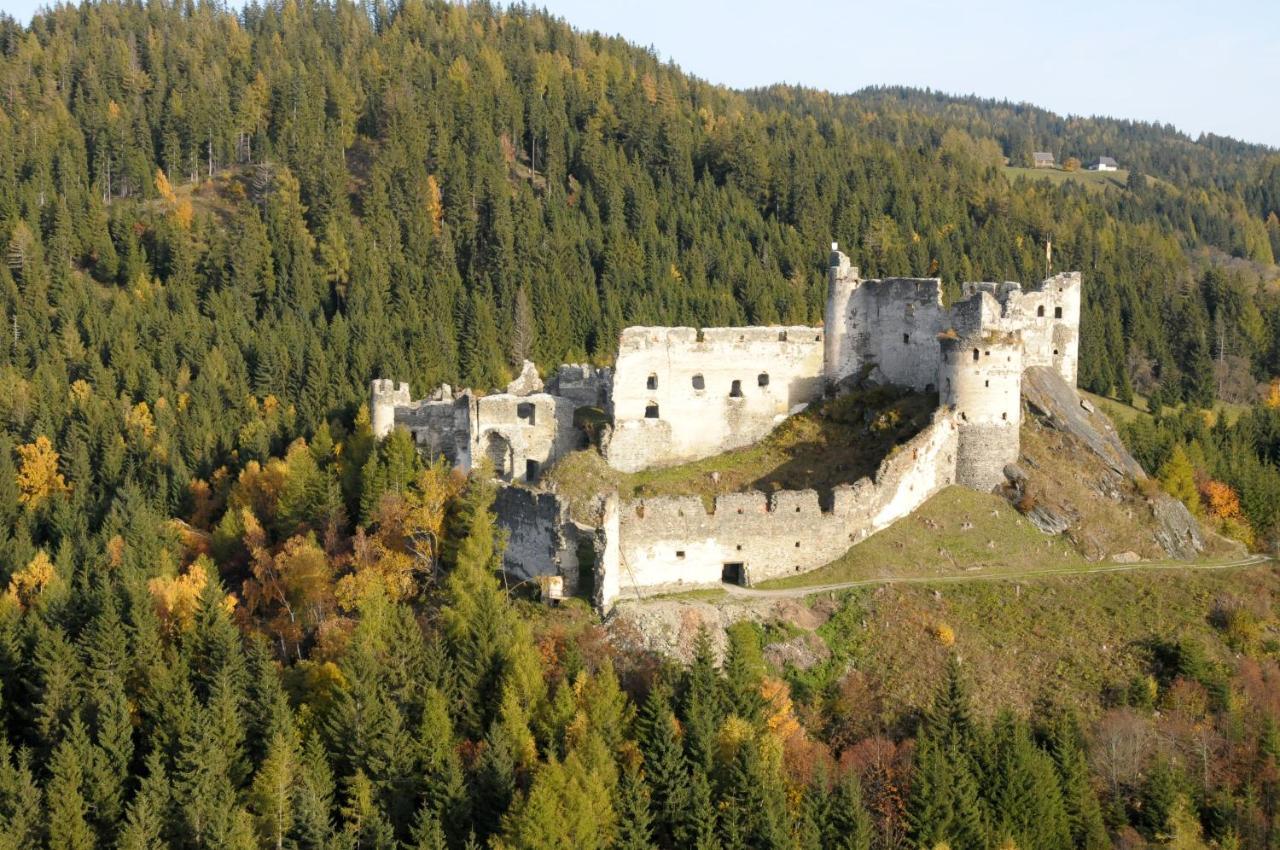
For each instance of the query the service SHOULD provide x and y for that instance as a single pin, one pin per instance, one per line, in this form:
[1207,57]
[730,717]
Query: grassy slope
[957,532]
[1121,412]
[1070,637]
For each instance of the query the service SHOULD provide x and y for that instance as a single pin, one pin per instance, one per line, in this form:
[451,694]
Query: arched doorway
[498,450]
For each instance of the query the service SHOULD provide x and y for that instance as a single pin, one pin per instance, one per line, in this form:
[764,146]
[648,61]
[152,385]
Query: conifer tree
[68,816]
[848,824]
[635,831]
[147,816]
[666,770]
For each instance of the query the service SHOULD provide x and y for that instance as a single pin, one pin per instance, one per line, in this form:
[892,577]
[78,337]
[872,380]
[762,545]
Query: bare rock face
[801,652]
[1178,532]
[1104,474]
[527,383]
[1058,405]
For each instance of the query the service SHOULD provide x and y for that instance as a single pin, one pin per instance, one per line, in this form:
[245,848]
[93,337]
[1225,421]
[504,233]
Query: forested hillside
[230,618]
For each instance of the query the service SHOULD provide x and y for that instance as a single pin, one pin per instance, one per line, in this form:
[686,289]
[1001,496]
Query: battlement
[676,542]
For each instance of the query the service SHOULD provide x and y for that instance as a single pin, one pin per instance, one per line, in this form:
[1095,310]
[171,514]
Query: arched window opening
[699,383]
[1040,311]
[976,355]
[735,390]
[652,383]
[526,412]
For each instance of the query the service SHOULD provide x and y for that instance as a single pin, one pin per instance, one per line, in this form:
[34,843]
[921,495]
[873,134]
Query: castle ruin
[680,394]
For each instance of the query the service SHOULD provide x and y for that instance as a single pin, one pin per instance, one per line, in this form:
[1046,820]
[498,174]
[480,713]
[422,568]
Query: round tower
[980,379]
[384,396]
[842,282]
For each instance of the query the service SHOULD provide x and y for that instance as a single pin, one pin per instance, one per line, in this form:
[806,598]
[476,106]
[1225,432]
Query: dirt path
[1147,566]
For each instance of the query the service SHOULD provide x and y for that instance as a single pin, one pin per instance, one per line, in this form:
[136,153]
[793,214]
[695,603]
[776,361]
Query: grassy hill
[1093,180]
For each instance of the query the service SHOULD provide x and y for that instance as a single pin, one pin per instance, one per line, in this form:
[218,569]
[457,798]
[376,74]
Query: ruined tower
[839,355]
[384,395]
[980,379]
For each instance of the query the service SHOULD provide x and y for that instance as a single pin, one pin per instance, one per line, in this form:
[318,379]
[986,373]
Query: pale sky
[1198,64]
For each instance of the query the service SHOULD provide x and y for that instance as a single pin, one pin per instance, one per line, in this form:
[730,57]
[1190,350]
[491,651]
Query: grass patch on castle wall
[824,446]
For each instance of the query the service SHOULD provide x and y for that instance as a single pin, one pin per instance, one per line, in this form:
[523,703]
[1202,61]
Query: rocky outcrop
[1059,406]
[1098,497]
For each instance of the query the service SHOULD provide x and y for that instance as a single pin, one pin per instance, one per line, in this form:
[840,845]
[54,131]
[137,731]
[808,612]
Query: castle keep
[680,394]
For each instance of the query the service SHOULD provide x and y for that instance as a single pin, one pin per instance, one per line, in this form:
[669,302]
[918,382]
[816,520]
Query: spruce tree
[666,770]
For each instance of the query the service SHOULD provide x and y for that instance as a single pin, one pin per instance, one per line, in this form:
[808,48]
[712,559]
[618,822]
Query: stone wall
[441,428]
[384,396]
[680,394]
[674,543]
[581,383]
[519,434]
[981,381]
[882,330]
[541,541]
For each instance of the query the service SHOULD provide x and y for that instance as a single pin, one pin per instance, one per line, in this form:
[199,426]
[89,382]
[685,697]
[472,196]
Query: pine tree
[1178,478]
[700,703]
[848,824]
[666,769]
[635,831]
[68,817]
[271,795]
[147,816]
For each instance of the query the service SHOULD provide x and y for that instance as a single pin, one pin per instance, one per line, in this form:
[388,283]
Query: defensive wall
[541,538]
[680,394]
[669,544]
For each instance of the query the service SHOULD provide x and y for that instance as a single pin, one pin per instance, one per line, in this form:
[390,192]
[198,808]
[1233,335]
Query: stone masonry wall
[541,541]
[680,394]
[674,543]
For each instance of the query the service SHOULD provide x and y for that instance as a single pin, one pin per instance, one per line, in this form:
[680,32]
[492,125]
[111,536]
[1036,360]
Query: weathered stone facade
[518,434]
[680,394]
[541,539]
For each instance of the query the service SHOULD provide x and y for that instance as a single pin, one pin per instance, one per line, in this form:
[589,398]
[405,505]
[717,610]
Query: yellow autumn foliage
[177,598]
[38,475]
[138,420]
[780,719]
[32,580]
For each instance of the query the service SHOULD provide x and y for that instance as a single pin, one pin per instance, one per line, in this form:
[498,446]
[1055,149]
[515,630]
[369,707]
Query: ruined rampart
[674,543]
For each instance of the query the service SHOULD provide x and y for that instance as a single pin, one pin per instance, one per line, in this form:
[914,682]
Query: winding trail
[1144,566]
